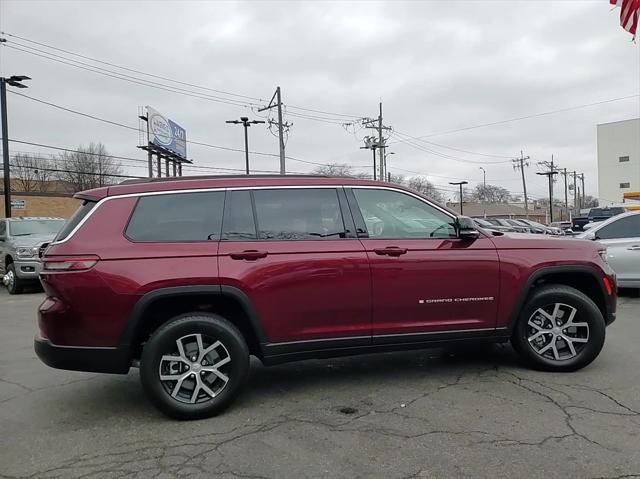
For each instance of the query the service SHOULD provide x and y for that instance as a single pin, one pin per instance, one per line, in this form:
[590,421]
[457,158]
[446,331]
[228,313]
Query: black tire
[212,328]
[17,285]
[586,312]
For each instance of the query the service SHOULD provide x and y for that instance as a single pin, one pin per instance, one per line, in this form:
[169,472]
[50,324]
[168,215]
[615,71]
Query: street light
[460,183]
[244,121]
[549,174]
[13,81]
[385,164]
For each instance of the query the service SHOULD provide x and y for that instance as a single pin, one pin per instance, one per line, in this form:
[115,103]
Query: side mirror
[467,228]
[590,236]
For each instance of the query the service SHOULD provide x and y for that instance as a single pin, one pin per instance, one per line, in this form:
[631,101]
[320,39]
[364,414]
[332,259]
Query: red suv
[188,277]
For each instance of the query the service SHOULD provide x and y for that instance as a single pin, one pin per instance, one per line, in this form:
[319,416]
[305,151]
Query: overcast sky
[436,65]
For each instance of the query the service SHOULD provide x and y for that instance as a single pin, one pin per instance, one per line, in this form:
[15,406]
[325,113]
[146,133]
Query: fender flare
[546,271]
[137,314]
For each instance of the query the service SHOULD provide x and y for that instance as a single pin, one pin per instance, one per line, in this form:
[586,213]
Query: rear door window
[177,217]
[299,214]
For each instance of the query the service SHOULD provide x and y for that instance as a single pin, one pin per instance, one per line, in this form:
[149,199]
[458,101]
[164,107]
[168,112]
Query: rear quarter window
[75,220]
[177,217]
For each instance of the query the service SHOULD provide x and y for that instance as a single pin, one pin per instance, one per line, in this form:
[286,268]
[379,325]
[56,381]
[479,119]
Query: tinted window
[392,214]
[239,222]
[628,227]
[177,217]
[77,217]
[294,214]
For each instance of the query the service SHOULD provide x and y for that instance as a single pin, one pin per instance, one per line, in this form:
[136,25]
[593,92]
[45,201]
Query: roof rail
[214,177]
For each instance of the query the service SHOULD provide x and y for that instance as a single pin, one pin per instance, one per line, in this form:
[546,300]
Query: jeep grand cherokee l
[188,277]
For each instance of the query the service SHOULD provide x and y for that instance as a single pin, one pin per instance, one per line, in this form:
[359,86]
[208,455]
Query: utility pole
[520,163]
[244,121]
[13,81]
[484,184]
[549,174]
[370,144]
[566,193]
[581,175]
[281,126]
[575,196]
[379,126]
[460,183]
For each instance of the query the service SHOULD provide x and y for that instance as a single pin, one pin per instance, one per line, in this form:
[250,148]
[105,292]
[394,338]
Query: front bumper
[77,358]
[27,268]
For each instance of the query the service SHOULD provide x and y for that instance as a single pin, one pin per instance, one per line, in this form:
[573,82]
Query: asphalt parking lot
[437,413]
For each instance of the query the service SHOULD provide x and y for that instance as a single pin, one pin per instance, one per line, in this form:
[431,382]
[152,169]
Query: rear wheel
[559,329]
[194,366]
[14,284]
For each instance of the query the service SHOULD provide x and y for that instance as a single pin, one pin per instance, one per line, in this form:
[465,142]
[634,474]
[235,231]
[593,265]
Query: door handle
[250,255]
[635,247]
[390,251]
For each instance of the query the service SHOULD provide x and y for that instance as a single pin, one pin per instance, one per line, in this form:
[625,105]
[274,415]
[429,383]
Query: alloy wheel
[554,333]
[197,370]
[9,280]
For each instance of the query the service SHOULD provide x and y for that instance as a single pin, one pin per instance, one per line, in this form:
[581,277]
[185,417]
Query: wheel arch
[583,278]
[157,307]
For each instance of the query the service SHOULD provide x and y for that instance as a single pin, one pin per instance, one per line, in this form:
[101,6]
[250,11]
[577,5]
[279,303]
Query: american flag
[629,13]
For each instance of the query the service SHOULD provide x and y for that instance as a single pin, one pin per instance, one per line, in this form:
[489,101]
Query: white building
[618,160]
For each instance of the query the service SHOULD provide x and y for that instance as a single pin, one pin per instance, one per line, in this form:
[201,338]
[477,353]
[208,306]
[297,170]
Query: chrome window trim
[238,188]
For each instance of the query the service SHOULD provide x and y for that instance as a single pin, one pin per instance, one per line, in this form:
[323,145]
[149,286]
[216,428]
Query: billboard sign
[166,134]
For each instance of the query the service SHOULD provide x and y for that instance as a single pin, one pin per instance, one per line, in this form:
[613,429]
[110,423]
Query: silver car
[621,236]
[22,241]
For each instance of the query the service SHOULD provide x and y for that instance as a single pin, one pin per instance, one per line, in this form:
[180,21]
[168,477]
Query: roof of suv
[203,182]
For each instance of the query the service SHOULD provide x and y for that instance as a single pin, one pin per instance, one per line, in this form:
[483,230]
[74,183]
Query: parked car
[539,228]
[186,278]
[518,228]
[564,226]
[621,236]
[22,241]
[492,227]
[596,215]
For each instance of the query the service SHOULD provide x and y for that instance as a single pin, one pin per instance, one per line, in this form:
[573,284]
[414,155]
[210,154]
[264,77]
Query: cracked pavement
[473,412]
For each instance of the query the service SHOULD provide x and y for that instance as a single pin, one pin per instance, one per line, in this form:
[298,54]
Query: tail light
[71,263]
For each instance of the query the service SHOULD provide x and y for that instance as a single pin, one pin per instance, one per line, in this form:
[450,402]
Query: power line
[450,157]
[445,146]
[526,117]
[76,63]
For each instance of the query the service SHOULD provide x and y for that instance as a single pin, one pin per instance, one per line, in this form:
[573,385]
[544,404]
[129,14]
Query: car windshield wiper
[23,234]
[322,235]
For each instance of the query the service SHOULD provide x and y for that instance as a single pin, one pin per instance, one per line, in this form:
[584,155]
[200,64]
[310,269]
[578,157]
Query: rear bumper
[75,358]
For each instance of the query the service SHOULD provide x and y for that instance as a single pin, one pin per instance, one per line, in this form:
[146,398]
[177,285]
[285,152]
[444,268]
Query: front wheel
[194,366]
[559,329]
[14,284]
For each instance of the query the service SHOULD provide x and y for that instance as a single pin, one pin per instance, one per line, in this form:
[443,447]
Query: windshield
[34,227]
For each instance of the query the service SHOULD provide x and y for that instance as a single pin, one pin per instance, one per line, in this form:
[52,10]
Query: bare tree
[490,194]
[590,202]
[31,172]
[338,169]
[88,167]
[424,186]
